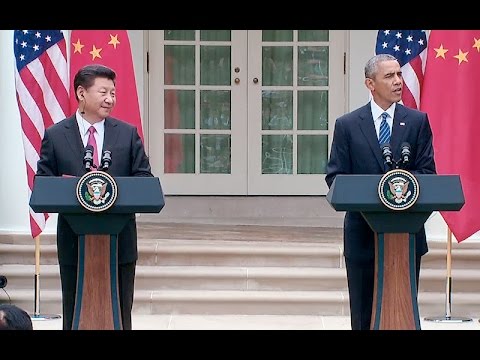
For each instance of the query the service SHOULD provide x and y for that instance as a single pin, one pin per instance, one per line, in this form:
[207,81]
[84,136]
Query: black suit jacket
[62,153]
[355,150]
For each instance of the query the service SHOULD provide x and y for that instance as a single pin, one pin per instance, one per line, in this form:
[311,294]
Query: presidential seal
[398,189]
[96,191]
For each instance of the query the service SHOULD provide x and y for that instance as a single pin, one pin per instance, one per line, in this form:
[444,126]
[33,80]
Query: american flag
[409,47]
[41,81]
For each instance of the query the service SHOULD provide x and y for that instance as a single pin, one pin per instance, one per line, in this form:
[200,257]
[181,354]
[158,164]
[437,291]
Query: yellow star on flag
[114,41]
[476,44]
[440,51]
[95,53]
[78,47]
[462,56]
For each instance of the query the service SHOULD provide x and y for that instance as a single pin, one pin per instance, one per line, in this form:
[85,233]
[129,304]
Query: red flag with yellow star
[110,48]
[450,96]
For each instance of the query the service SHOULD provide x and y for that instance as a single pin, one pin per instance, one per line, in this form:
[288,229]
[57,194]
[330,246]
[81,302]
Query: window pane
[312,110]
[277,65]
[313,66]
[277,110]
[179,34]
[277,35]
[215,153]
[179,153]
[312,35]
[215,35]
[179,65]
[312,154]
[215,66]
[215,109]
[179,109]
[277,154]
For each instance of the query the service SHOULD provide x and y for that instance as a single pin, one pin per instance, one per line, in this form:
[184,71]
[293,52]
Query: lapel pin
[402,124]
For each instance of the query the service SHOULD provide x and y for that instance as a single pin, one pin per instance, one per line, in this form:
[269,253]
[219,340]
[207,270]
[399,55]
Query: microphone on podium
[88,157]
[387,155]
[405,153]
[106,160]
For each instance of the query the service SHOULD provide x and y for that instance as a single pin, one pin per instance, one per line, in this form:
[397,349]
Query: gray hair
[371,67]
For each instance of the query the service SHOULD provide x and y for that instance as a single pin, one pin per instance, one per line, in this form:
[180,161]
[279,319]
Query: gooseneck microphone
[106,160]
[387,154]
[88,157]
[405,153]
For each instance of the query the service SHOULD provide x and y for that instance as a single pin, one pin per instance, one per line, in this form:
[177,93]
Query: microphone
[405,153]
[106,159]
[88,157]
[387,154]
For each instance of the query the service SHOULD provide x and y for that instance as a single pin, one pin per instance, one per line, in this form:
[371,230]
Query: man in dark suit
[62,154]
[356,150]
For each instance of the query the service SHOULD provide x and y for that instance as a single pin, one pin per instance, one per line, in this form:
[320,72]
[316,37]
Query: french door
[237,112]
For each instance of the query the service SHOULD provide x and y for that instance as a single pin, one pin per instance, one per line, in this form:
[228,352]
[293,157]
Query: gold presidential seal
[398,189]
[96,191]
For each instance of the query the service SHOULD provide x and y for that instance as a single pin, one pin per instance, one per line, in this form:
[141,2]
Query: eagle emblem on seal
[97,191]
[399,189]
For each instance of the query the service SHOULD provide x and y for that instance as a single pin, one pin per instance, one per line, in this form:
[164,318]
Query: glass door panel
[197,110]
[295,93]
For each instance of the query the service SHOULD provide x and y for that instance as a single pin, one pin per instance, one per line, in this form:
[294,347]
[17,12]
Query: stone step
[148,230]
[198,278]
[202,253]
[462,304]
[215,269]
[243,253]
[209,302]
[462,280]
[326,303]
[306,211]
[462,258]
[241,278]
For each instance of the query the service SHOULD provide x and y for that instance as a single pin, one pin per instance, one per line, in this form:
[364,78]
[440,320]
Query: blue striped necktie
[384,135]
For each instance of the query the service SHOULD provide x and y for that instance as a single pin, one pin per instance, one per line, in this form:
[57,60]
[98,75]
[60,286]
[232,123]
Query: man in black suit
[356,150]
[62,154]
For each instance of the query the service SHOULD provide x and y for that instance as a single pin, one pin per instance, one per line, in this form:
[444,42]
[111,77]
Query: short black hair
[86,76]
[14,318]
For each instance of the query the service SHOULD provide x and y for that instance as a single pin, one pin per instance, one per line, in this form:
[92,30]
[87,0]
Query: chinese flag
[110,48]
[450,96]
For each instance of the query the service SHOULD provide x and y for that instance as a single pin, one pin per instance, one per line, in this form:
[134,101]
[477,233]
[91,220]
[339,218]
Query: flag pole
[448,318]
[36,312]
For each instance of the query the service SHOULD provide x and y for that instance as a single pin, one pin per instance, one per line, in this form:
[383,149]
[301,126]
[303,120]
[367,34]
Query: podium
[395,304]
[97,304]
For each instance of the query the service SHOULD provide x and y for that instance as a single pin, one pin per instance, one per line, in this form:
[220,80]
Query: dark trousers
[126,281]
[360,277]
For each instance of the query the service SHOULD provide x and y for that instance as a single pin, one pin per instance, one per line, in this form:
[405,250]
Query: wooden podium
[97,304]
[395,304]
